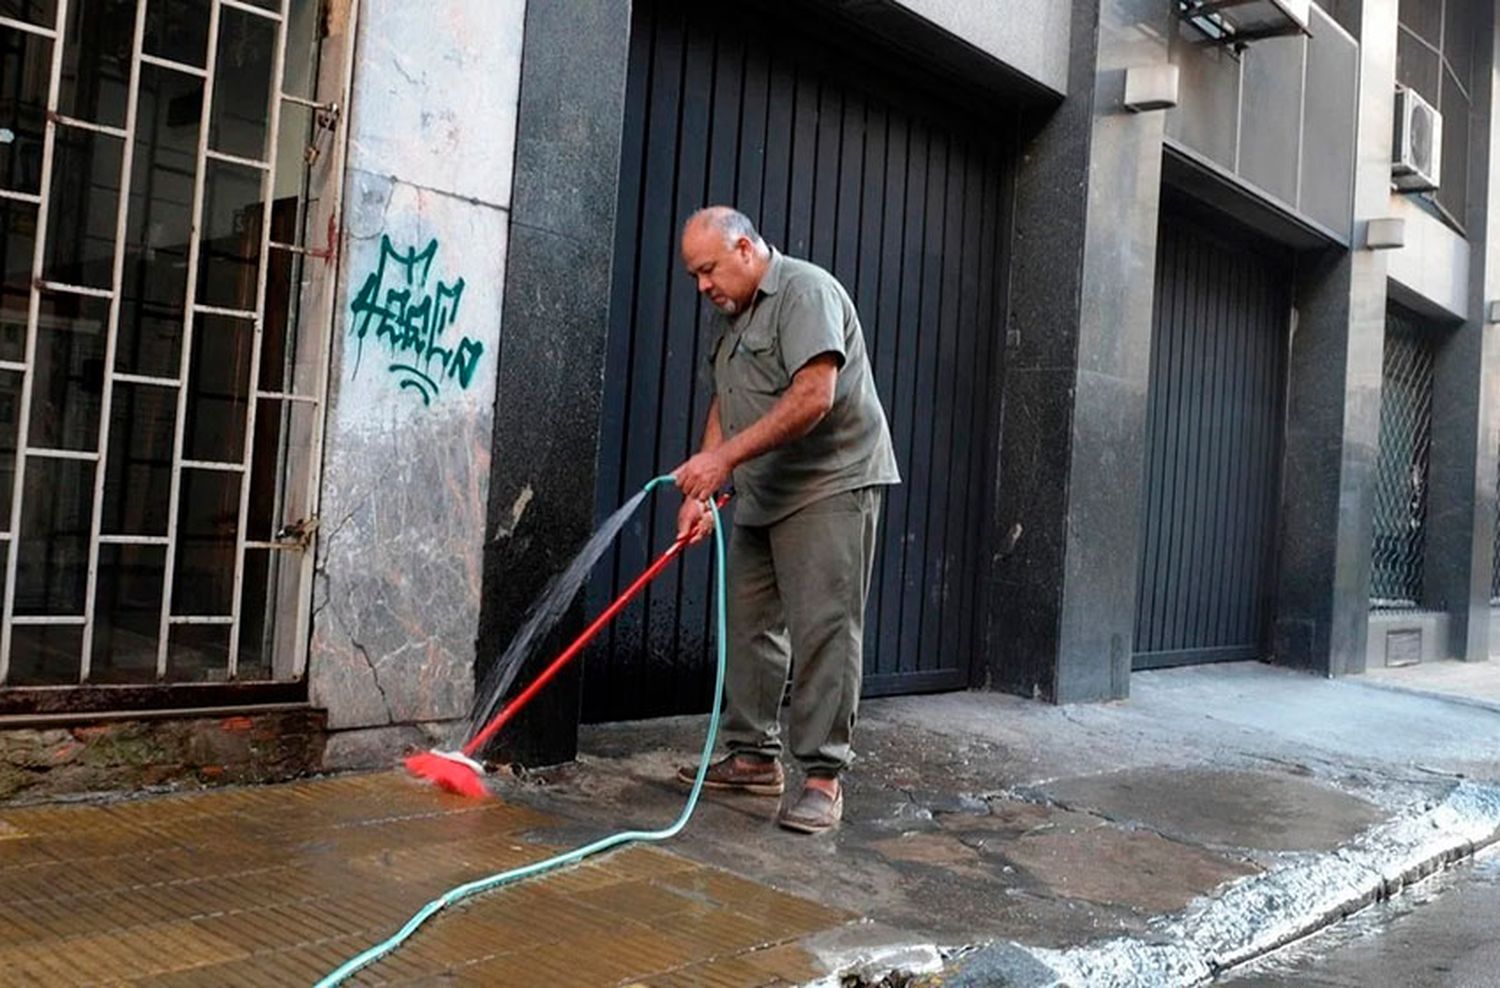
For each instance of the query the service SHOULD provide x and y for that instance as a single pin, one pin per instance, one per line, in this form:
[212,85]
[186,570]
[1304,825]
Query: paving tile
[641,899]
[279,885]
[729,972]
[644,861]
[20,850]
[133,954]
[533,915]
[609,959]
[709,931]
[787,962]
[238,974]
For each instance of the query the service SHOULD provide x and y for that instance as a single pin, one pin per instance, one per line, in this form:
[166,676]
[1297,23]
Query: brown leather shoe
[814,812]
[736,773]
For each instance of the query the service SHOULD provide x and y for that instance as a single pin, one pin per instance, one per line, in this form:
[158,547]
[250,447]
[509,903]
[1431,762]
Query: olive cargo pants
[797,590]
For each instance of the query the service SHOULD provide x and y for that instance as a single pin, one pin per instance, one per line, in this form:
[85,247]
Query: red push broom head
[450,770]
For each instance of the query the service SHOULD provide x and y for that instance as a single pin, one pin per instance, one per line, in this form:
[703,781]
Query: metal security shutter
[1213,449]
[902,199]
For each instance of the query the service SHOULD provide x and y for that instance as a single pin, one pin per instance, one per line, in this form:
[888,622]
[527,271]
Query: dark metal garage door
[898,195]
[1213,449]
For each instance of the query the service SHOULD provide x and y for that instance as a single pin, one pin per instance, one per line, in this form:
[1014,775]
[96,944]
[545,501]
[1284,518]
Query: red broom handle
[571,652]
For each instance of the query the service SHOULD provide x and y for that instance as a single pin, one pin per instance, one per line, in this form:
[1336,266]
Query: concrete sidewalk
[1477,683]
[987,840]
[1219,812]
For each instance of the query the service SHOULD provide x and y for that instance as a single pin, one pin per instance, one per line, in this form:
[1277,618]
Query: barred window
[159,407]
[1401,480]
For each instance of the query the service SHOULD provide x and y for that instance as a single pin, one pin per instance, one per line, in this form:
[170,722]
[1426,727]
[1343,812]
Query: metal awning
[1240,22]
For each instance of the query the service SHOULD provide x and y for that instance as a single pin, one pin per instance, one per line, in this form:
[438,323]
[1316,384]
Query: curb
[1254,915]
[1477,703]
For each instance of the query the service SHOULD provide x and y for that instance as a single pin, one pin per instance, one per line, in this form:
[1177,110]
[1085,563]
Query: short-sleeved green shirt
[800,312]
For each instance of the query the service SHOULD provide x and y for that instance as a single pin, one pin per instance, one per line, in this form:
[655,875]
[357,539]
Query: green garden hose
[468,889]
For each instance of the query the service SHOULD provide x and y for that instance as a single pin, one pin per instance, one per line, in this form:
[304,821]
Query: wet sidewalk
[278,885]
[1218,812]
[987,840]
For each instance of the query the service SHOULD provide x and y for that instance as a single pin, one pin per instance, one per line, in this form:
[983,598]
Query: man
[796,422]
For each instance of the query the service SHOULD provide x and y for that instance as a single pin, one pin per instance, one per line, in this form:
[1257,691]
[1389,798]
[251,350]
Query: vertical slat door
[901,198]
[1214,436]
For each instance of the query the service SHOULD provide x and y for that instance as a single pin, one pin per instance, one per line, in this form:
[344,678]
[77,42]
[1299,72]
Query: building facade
[330,328]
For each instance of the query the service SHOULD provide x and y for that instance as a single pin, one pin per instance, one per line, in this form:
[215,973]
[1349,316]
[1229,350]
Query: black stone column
[1461,505]
[1077,365]
[1322,602]
[552,340]
[1322,595]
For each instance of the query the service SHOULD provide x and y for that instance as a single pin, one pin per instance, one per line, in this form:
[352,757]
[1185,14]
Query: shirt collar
[770,282]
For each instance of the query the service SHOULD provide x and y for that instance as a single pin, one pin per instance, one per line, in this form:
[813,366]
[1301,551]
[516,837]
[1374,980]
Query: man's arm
[794,415]
[713,432]
[694,521]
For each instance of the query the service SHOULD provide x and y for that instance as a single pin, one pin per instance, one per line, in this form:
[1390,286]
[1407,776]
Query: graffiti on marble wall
[411,320]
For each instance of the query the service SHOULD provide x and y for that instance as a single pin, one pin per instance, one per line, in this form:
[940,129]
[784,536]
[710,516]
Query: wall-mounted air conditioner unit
[1417,151]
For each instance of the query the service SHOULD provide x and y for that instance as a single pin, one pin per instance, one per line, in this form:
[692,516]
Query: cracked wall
[417,335]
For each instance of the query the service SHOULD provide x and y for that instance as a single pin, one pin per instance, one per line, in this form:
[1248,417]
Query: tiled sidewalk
[278,885]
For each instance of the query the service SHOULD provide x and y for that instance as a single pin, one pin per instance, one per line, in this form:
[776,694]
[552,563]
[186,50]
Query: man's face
[724,269]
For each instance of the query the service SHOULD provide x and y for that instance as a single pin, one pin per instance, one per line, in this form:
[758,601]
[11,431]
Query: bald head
[722,251]
[727,221]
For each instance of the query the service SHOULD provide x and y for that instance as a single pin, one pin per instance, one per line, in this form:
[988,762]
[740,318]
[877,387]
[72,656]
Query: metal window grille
[1401,486]
[160,400]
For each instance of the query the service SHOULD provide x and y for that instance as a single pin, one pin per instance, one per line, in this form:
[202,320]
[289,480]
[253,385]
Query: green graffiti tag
[408,320]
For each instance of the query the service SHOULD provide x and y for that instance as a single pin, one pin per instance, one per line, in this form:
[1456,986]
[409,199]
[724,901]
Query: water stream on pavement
[545,612]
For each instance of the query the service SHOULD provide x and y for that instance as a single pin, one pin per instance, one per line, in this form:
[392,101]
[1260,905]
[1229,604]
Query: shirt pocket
[759,357]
